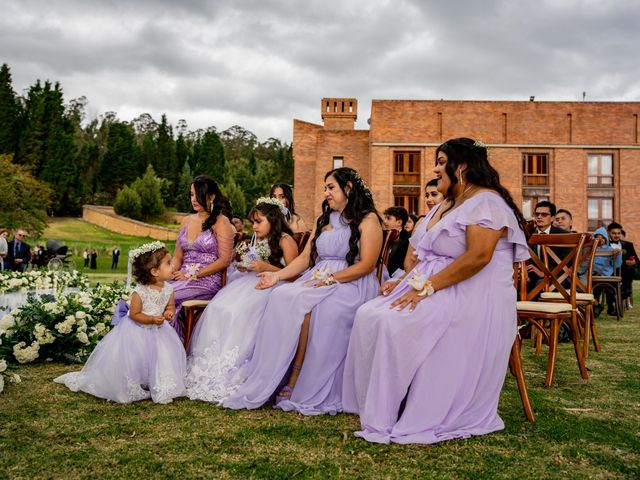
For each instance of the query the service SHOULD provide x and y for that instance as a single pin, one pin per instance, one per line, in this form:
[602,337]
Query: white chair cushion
[195,303]
[544,307]
[585,297]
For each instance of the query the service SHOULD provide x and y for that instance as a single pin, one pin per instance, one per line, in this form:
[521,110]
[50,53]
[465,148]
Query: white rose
[1,383]
[80,314]
[7,322]
[3,365]
[71,319]
[82,337]
[15,378]
[63,327]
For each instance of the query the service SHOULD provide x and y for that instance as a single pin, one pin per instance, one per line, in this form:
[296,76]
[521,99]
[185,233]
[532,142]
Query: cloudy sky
[261,63]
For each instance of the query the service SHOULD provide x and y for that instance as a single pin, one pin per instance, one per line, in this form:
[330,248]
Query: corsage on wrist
[324,276]
[191,271]
[422,284]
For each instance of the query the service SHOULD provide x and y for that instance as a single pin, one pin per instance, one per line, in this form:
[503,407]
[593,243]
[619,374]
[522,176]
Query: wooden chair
[389,236]
[611,283]
[540,313]
[301,239]
[584,298]
[515,362]
[192,310]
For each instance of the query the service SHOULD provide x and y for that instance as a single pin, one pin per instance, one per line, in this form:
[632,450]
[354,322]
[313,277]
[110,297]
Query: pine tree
[236,197]
[119,165]
[211,159]
[183,197]
[10,113]
[149,190]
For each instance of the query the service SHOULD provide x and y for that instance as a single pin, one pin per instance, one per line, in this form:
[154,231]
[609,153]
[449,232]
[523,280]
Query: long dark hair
[279,226]
[288,194]
[478,172]
[204,185]
[359,205]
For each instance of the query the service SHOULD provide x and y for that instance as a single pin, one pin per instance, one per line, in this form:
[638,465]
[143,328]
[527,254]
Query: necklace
[464,192]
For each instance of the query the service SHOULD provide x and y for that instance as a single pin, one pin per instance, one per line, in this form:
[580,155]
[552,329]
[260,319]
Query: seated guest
[283,192]
[238,223]
[395,218]
[629,264]
[18,253]
[606,266]
[411,223]
[564,220]
[545,213]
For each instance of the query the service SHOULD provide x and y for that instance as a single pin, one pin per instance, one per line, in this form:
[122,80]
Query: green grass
[584,429]
[78,235]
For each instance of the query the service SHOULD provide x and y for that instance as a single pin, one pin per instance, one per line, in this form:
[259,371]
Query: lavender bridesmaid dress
[319,386]
[202,252]
[449,356]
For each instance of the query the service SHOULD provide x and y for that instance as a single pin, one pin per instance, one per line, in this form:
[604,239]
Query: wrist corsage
[322,275]
[422,284]
[191,271]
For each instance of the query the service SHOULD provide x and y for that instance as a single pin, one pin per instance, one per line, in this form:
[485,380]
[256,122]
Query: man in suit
[19,253]
[115,256]
[630,262]
[395,218]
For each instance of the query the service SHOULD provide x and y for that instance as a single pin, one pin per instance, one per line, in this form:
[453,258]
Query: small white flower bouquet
[254,250]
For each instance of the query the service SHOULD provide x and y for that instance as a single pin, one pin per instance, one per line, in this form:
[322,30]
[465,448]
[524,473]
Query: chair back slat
[388,238]
[301,239]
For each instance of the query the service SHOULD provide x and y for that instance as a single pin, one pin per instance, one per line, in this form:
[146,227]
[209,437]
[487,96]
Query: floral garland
[41,280]
[273,201]
[146,248]
[56,327]
[248,252]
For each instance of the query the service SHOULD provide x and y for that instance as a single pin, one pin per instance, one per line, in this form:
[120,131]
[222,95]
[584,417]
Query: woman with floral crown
[304,332]
[224,338]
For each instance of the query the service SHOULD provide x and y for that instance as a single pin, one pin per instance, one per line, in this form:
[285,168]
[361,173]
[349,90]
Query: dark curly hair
[143,264]
[204,185]
[359,205]
[279,226]
[479,171]
[288,194]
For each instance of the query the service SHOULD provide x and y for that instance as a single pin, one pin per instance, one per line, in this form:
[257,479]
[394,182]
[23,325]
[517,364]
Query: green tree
[236,197]
[149,189]
[183,197]
[10,113]
[119,165]
[211,157]
[128,203]
[24,201]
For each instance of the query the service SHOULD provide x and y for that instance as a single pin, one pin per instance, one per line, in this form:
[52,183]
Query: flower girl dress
[135,361]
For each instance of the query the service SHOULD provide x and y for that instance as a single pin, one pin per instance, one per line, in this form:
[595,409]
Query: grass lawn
[584,429]
[78,235]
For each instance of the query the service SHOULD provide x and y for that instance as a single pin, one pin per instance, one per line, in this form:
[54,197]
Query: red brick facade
[553,143]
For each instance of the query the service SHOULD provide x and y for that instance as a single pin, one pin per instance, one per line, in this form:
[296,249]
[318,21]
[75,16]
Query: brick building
[583,156]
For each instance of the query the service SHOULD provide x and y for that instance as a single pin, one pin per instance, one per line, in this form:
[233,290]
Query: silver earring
[461,179]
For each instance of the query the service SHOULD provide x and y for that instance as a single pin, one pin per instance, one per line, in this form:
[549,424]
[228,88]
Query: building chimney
[339,113]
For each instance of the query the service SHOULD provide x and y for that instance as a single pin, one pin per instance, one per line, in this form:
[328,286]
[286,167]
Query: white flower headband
[273,201]
[480,143]
[146,248]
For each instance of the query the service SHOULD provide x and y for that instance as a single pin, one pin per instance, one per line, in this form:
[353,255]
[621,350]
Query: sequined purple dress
[201,252]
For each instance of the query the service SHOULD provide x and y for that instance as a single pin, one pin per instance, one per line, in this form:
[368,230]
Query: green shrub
[128,203]
[149,189]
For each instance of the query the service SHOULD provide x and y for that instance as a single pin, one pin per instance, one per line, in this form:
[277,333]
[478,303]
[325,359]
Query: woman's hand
[259,266]
[410,298]
[267,280]
[387,287]
[179,275]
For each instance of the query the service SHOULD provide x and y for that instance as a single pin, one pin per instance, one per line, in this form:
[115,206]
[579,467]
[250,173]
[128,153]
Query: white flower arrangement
[41,280]
[255,250]
[273,201]
[146,248]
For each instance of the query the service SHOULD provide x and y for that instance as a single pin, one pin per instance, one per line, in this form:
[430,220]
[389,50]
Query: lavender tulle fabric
[203,251]
[135,361]
[451,353]
[319,386]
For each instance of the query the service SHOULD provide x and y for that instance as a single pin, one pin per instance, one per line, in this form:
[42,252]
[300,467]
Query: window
[535,169]
[410,202]
[599,212]
[600,170]
[406,168]
[338,162]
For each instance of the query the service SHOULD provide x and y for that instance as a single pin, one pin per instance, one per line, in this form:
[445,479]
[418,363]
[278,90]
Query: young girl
[224,338]
[142,357]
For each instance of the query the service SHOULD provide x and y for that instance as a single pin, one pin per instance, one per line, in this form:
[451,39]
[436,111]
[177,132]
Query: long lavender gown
[202,252]
[451,353]
[135,361]
[319,386]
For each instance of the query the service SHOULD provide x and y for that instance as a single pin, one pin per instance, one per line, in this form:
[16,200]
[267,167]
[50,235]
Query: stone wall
[106,218]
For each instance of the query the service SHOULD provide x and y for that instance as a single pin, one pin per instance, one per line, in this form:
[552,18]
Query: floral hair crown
[480,144]
[273,201]
[146,248]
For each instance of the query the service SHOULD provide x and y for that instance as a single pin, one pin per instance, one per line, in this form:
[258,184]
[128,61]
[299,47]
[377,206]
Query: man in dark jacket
[19,253]
[395,218]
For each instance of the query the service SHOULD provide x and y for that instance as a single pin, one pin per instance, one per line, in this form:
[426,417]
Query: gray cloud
[262,63]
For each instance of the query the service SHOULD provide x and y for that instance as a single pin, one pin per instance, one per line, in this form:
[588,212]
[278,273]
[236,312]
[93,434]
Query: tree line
[84,160]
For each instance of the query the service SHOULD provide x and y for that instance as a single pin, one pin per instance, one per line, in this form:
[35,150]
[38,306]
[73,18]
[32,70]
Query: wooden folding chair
[612,283]
[389,236]
[192,310]
[301,239]
[540,313]
[584,298]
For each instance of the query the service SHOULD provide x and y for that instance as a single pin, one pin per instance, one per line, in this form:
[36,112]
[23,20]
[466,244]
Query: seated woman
[283,192]
[303,335]
[445,357]
[204,247]
[224,338]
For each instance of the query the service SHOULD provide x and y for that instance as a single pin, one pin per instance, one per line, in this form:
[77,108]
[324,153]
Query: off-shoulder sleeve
[488,210]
